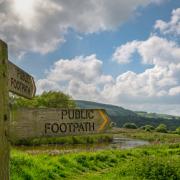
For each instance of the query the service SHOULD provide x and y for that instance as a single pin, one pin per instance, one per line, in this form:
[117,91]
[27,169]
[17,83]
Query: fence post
[4,113]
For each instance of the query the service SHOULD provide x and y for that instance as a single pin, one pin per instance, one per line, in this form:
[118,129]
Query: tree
[130,126]
[162,128]
[51,99]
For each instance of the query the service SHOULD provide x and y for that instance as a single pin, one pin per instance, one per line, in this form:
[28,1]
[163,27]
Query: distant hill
[120,115]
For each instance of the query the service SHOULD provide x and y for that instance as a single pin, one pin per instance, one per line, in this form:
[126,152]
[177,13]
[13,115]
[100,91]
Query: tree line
[160,128]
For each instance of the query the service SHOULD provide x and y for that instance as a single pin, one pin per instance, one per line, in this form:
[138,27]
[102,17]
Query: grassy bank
[154,162]
[153,137]
[85,139]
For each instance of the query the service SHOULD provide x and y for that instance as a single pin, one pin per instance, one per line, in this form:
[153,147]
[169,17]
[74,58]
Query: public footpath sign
[33,123]
[29,123]
[19,82]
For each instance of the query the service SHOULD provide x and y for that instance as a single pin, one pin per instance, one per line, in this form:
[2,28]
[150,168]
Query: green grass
[153,137]
[154,162]
[85,139]
[158,161]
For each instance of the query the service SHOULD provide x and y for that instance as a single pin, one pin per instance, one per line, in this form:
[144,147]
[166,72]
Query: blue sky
[103,43]
[105,51]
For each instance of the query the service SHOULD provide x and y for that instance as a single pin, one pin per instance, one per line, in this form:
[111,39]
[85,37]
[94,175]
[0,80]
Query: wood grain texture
[4,113]
[49,122]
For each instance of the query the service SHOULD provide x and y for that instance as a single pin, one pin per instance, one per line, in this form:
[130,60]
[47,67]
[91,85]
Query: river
[117,143]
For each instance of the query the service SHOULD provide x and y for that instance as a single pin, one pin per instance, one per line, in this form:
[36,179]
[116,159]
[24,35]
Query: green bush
[153,168]
[162,128]
[147,128]
[130,126]
[51,99]
[177,130]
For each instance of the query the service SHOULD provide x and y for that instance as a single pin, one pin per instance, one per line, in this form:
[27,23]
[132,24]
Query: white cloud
[124,53]
[174,91]
[154,84]
[171,27]
[155,51]
[47,85]
[159,51]
[40,26]
[81,77]
[84,91]
[86,69]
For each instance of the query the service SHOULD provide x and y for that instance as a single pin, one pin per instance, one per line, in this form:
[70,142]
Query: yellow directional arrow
[105,118]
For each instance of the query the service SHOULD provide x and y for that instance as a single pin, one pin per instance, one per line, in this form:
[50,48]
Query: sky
[124,53]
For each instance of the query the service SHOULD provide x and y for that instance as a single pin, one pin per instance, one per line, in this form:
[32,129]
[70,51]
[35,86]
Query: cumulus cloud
[86,69]
[174,91]
[154,50]
[40,26]
[159,81]
[171,27]
[81,77]
[124,53]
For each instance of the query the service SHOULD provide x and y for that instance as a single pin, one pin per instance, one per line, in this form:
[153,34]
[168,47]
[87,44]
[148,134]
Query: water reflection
[117,143]
[126,143]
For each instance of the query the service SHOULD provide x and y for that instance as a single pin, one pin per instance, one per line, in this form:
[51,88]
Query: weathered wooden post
[4,113]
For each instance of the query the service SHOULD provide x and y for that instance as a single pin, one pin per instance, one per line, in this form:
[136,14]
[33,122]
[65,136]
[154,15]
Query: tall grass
[84,139]
[157,161]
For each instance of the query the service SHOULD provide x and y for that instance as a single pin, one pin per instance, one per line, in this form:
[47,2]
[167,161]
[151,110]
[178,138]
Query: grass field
[158,161]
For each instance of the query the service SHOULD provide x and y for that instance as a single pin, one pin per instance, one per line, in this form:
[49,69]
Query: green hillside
[155,115]
[120,115]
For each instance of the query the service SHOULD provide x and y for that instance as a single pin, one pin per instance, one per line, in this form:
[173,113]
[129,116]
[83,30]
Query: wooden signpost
[33,123]
[30,123]
[13,79]
[4,113]
[20,82]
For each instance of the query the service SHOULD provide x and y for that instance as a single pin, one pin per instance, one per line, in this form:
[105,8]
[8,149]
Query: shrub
[177,130]
[153,168]
[162,128]
[51,99]
[130,126]
[147,128]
